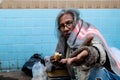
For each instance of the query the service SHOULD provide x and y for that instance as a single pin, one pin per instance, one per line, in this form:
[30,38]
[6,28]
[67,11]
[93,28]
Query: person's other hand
[54,61]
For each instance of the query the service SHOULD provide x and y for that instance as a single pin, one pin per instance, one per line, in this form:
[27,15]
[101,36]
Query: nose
[66,28]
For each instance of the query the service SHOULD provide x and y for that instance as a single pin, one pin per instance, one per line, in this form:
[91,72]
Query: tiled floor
[16,75]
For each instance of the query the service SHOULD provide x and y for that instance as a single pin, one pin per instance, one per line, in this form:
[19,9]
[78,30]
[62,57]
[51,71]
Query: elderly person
[83,47]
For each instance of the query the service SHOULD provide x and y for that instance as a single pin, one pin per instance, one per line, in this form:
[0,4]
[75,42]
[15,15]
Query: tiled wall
[24,32]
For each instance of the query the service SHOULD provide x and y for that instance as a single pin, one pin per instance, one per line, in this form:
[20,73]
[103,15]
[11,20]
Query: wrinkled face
[66,24]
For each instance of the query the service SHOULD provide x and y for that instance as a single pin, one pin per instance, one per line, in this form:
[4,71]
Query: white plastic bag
[39,72]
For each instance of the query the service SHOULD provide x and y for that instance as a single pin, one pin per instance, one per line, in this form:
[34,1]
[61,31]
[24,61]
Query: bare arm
[80,57]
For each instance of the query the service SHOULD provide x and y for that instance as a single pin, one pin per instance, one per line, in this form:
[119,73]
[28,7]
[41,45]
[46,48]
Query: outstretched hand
[79,55]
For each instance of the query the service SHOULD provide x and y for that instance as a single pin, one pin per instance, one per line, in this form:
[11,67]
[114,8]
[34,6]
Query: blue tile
[24,32]
[4,65]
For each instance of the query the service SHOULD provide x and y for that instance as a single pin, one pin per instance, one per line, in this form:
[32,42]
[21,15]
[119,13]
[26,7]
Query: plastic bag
[27,67]
[39,72]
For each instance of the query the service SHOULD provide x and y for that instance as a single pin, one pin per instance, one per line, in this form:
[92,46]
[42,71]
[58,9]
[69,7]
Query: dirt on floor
[14,75]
